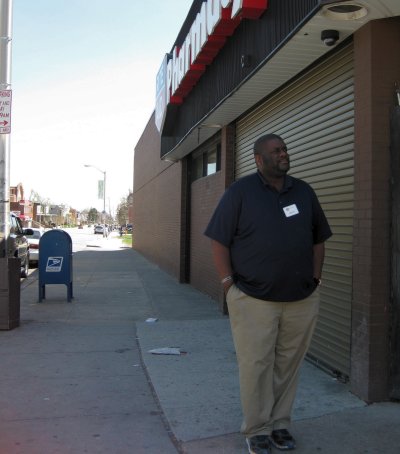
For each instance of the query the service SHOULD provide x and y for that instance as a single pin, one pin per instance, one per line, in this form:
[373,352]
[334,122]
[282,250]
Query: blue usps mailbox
[55,261]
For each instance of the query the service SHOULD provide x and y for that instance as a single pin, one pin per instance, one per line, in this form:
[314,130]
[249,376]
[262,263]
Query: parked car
[102,229]
[33,241]
[18,245]
[99,229]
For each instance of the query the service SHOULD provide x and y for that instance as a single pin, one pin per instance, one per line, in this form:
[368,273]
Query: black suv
[18,244]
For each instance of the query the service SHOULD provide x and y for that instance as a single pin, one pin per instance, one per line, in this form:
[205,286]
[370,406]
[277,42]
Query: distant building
[19,205]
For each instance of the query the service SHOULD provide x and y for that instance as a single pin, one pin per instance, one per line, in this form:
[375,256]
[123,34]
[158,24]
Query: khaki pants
[271,340]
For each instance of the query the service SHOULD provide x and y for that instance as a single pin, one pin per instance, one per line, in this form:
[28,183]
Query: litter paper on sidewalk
[166,351]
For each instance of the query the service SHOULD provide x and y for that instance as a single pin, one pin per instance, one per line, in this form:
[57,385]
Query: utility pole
[5,105]
[10,267]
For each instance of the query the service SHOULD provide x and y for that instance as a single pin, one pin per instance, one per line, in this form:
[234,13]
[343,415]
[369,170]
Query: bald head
[263,140]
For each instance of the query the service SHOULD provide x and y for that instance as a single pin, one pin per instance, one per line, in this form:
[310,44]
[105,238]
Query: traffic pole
[5,129]
[10,267]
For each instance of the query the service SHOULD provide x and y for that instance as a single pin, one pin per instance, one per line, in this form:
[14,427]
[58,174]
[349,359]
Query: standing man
[268,235]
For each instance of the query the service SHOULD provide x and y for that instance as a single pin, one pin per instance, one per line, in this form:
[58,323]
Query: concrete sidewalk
[78,377]
[199,394]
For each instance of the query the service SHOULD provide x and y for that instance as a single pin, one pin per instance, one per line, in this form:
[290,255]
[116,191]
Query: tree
[122,212]
[93,215]
[37,198]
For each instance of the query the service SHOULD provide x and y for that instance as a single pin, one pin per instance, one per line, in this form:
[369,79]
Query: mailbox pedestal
[55,261]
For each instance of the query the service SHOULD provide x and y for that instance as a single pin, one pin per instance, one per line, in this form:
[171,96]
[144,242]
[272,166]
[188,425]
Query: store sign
[161,94]
[179,72]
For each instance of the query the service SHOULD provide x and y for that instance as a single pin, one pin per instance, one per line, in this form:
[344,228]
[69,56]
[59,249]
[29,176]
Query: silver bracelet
[226,279]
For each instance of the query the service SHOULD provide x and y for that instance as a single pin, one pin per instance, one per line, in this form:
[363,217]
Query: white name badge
[290,210]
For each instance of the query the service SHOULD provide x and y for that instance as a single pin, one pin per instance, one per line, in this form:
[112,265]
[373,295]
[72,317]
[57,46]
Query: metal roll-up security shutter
[315,116]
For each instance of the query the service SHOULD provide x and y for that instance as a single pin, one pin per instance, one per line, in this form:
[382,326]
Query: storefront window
[197,167]
[212,162]
[206,163]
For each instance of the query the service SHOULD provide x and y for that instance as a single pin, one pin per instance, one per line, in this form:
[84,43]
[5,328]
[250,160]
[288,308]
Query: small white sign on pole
[5,111]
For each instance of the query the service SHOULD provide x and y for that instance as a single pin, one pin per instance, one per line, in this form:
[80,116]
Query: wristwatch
[317,281]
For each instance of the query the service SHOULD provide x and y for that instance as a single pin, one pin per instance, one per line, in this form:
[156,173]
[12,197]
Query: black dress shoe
[281,439]
[259,444]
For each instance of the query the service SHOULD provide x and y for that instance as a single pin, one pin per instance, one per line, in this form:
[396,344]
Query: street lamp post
[104,185]
[5,88]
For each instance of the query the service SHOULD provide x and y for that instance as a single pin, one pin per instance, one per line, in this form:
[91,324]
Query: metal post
[5,84]
[10,268]
[104,185]
[104,192]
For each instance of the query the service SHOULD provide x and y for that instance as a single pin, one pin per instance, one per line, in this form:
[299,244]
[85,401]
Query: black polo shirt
[270,235]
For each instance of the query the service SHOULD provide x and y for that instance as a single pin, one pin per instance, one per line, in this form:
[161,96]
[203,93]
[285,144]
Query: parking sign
[5,111]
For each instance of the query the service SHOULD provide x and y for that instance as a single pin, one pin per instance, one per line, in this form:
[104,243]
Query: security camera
[329,37]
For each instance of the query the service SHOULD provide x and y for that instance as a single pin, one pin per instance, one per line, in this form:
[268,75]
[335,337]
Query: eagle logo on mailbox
[54,264]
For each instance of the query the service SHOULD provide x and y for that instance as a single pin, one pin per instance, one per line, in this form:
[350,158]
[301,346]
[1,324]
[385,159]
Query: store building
[323,75]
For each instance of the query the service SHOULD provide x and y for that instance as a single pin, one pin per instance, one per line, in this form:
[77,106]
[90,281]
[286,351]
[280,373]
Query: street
[85,239]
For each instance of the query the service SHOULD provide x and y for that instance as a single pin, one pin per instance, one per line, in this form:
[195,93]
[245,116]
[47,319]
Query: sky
[83,81]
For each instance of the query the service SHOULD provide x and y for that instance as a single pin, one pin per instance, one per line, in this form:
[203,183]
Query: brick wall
[377,68]
[205,195]
[157,203]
